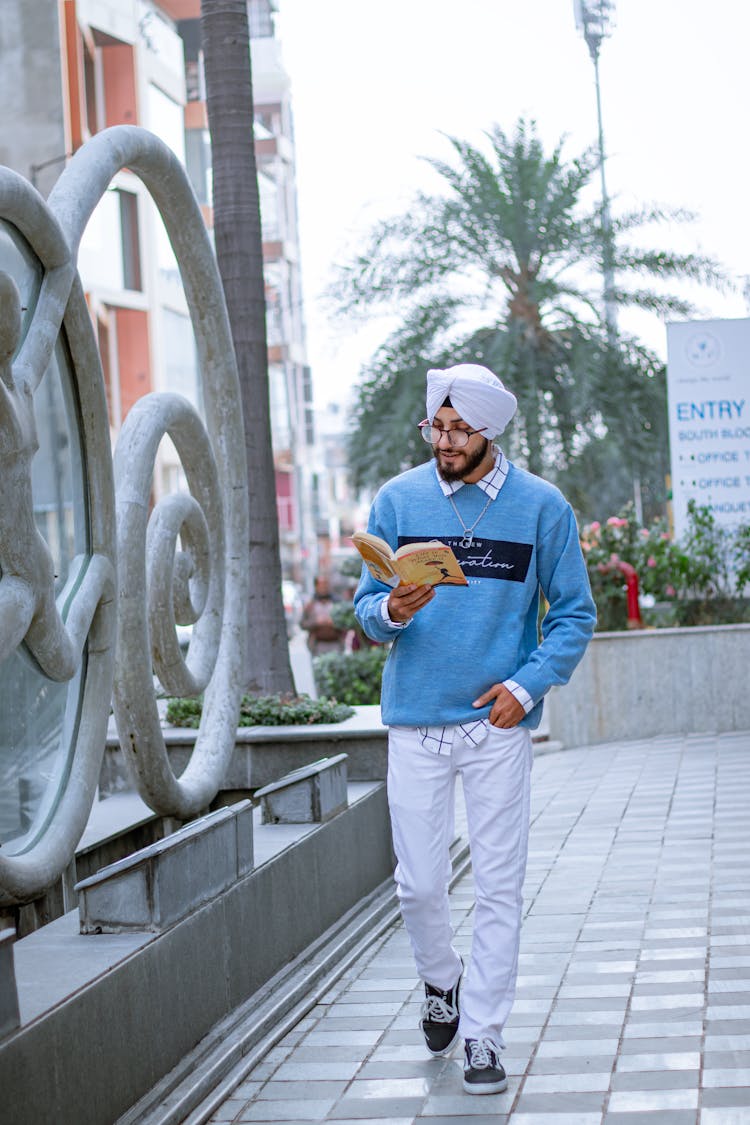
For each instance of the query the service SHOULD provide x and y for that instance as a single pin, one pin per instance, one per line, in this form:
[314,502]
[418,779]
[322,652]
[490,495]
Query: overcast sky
[375,83]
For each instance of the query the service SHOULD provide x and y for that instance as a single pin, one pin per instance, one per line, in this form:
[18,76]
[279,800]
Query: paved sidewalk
[633,998]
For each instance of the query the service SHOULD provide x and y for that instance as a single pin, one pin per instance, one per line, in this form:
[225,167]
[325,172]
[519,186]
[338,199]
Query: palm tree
[503,269]
[239,250]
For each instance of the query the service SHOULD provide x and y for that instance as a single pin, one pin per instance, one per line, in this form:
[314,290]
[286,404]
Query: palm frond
[664,263]
[650,213]
[661,304]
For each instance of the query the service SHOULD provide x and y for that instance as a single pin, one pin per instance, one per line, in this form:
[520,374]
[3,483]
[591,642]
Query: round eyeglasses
[456,438]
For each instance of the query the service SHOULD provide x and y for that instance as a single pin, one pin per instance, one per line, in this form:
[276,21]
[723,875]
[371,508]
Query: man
[322,635]
[462,690]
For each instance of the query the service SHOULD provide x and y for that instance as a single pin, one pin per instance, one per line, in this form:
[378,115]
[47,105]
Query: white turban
[477,396]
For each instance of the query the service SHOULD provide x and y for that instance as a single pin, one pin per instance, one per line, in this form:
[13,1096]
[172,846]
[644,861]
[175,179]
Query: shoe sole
[486,1087]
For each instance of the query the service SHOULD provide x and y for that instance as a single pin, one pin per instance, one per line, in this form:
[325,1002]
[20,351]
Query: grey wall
[655,681]
[95,1054]
[31,88]
[258,759]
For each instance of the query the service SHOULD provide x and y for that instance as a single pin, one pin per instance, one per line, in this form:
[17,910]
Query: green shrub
[342,615]
[352,677]
[711,611]
[265,711]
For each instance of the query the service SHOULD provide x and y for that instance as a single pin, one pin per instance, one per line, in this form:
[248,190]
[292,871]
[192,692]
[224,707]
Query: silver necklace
[468,538]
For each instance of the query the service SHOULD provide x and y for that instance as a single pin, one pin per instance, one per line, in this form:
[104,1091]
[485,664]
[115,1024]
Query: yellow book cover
[424,564]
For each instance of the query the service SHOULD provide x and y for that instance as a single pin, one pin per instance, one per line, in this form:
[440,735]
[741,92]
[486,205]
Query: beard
[471,462]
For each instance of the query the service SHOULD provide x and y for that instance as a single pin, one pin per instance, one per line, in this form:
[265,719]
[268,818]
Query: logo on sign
[702,349]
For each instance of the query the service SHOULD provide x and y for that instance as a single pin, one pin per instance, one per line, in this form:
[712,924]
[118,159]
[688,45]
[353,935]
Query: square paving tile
[297,1090]
[303,1109]
[341,1070]
[638,1101]
[566,1048]
[723,1115]
[376,1120]
[655,1080]
[727,1096]
[731,1076]
[677,1060]
[570,1102]
[564,1083]
[228,1111]
[562,1118]
[481,1117]
[465,1105]
[378,1108]
[417,1087]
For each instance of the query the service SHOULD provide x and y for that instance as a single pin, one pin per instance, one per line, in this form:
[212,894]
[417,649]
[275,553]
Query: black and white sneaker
[440,1015]
[483,1072]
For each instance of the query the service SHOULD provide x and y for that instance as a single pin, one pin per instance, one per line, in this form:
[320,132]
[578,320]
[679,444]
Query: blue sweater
[469,638]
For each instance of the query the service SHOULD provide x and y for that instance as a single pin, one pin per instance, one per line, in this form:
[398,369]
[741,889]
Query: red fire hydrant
[635,621]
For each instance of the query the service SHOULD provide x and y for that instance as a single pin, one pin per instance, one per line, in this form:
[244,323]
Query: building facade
[74,67]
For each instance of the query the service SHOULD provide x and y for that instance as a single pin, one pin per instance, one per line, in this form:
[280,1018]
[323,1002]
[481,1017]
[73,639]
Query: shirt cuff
[388,620]
[520,693]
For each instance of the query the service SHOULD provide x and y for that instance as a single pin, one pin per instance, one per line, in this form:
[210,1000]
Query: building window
[180,360]
[260,19]
[269,206]
[131,247]
[198,161]
[90,86]
[106,334]
[263,120]
[195,83]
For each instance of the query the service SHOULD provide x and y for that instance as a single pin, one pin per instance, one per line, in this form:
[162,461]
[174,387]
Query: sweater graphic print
[486,558]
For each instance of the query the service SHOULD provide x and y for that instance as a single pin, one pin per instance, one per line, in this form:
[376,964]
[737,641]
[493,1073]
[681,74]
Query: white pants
[496,782]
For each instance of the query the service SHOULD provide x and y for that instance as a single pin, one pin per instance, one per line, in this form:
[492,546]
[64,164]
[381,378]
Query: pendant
[467,541]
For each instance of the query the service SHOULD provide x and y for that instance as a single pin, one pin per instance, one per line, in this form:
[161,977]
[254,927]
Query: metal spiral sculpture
[114,623]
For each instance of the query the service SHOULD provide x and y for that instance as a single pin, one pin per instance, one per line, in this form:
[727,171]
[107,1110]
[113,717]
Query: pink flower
[651,561]
[594,526]
[670,591]
[644,532]
[665,535]
[616,521]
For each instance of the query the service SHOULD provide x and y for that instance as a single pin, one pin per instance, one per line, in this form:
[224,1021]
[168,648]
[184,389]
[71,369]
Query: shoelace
[436,1009]
[482,1054]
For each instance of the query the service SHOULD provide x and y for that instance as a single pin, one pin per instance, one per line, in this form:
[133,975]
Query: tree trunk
[239,250]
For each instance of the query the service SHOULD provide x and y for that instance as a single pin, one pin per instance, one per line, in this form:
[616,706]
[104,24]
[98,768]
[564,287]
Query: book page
[380,567]
[430,566]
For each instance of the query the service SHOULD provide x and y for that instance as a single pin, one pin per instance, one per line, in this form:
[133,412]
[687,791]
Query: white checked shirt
[438,739]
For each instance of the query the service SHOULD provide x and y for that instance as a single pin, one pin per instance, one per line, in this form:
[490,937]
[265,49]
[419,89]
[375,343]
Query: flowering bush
[700,581]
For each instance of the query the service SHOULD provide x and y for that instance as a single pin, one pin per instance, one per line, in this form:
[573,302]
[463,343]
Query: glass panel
[100,253]
[18,259]
[131,242]
[180,359]
[260,19]
[38,718]
[279,399]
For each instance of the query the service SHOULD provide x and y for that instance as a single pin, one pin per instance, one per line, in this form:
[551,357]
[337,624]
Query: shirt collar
[489,484]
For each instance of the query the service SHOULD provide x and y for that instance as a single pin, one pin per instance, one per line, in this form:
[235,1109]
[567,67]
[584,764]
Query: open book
[425,564]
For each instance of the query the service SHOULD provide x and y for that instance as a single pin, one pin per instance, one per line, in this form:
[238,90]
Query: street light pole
[594,19]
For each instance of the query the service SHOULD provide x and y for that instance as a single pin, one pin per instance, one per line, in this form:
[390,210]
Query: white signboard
[708,387]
